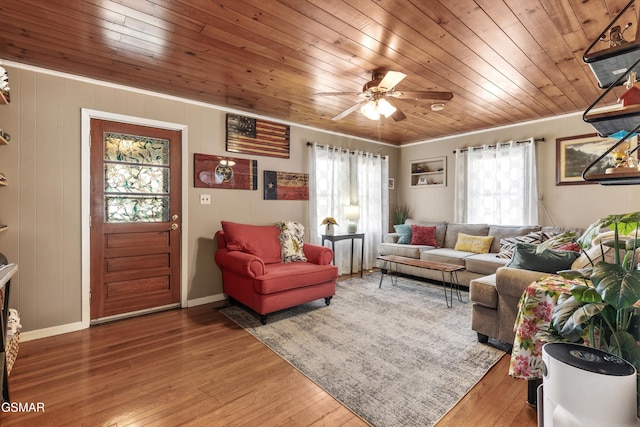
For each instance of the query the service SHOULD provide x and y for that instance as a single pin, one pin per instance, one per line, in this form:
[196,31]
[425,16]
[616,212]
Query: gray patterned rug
[396,356]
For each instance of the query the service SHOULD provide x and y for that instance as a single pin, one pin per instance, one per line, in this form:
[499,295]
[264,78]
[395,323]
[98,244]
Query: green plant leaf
[583,273]
[628,349]
[617,287]
[628,222]
[585,293]
[570,317]
[570,274]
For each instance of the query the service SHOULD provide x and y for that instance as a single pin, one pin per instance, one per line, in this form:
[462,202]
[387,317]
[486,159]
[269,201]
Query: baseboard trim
[205,300]
[78,326]
[52,331]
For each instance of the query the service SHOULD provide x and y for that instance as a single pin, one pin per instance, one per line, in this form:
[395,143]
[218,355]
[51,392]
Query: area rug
[396,356]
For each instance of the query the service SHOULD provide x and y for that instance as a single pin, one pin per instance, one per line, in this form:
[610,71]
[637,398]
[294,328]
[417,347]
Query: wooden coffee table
[442,267]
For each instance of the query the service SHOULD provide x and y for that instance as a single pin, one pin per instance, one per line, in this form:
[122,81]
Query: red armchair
[254,275]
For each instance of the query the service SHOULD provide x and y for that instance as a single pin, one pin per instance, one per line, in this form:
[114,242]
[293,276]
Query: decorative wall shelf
[613,67]
[430,172]
[608,64]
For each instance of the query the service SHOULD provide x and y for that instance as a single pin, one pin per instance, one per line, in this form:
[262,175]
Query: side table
[335,238]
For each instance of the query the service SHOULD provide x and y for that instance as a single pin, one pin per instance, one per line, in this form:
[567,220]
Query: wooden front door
[135,218]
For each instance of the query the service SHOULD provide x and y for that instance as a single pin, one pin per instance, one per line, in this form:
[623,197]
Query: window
[497,184]
[339,178]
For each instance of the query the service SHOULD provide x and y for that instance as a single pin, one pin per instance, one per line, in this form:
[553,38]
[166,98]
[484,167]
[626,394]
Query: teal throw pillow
[404,233]
[549,261]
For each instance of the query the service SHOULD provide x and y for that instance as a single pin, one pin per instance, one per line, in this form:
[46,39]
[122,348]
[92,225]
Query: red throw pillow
[569,247]
[259,240]
[421,235]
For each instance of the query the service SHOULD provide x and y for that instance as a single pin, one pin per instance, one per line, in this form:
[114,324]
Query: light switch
[205,199]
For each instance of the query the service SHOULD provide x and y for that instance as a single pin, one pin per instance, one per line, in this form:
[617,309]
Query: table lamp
[352,213]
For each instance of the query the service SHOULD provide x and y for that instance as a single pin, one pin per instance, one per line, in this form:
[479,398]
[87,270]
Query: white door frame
[87,115]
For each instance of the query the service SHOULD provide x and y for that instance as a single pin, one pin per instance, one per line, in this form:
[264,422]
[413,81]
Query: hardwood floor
[196,367]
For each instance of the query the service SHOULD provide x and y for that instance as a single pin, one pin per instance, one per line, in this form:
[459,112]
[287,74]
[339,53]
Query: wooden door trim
[86,116]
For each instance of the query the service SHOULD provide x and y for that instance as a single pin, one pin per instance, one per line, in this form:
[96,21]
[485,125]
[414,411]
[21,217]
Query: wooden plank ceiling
[506,61]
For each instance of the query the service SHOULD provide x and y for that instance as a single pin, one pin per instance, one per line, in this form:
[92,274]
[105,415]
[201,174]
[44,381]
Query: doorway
[135,205]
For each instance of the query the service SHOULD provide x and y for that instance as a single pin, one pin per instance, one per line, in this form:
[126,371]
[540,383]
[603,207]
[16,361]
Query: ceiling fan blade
[349,110]
[336,93]
[421,94]
[391,79]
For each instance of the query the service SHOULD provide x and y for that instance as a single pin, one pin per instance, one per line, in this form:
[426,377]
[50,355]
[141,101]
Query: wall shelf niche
[431,172]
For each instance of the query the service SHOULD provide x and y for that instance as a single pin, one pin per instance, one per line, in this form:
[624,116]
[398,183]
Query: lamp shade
[370,110]
[352,212]
[385,108]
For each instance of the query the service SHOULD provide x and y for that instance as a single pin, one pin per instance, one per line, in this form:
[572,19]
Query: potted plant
[603,312]
[330,222]
[401,213]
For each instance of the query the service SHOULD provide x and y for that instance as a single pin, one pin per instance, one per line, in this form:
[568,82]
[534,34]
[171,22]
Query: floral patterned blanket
[532,324]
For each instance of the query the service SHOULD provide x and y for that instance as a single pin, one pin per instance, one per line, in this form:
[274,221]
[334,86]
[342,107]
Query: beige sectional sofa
[495,302]
[494,289]
[476,265]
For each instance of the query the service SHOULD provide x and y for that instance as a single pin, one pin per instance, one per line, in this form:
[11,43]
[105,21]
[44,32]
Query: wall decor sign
[255,136]
[575,153]
[225,172]
[286,186]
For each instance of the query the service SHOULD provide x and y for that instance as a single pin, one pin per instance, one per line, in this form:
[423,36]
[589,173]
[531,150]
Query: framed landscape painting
[575,153]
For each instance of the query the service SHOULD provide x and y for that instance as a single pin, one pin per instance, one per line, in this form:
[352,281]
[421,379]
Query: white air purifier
[584,387]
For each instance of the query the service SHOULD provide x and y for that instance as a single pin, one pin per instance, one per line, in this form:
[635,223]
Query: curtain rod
[495,145]
[310,144]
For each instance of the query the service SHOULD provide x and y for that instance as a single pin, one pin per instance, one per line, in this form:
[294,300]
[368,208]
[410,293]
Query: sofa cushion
[259,240]
[291,240]
[526,257]
[508,244]
[446,255]
[404,233]
[483,291]
[423,235]
[409,251]
[451,236]
[284,276]
[441,228]
[504,231]
[475,244]
[484,263]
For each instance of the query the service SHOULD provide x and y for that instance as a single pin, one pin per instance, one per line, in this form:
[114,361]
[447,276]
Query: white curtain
[497,184]
[338,178]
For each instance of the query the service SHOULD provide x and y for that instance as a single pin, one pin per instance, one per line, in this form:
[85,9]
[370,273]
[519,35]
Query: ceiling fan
[377,93]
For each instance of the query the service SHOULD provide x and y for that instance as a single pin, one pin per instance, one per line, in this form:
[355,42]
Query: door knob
[173,227]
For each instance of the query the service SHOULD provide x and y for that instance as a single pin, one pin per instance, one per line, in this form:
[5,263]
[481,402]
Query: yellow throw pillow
[476,244]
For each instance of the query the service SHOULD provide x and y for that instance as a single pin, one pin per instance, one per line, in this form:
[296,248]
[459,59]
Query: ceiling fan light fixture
[385,108]
[370,110]
[437,107]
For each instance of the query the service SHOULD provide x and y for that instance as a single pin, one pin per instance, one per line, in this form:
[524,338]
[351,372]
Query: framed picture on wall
[575,153]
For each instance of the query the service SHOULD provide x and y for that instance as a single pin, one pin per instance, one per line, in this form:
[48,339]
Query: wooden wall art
[286,186]
[225,172]
[258,137]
